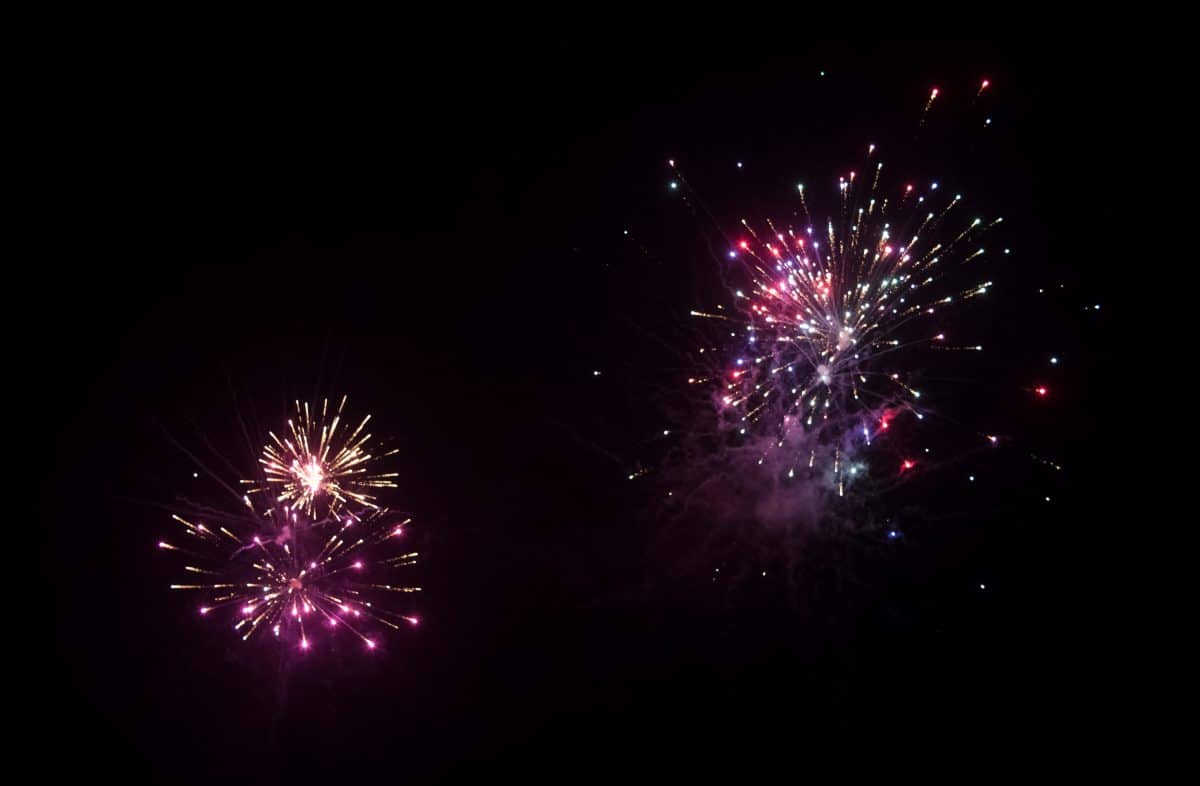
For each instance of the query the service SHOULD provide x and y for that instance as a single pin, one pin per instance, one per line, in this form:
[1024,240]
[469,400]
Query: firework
[291,576]
[319,553]
[321,465]
[821,336]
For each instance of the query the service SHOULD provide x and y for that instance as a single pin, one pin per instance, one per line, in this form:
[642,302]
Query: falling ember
[932,95]
[1041,390]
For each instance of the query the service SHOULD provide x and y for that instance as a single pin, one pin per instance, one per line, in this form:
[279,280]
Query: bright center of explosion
[823,372]
[311,476]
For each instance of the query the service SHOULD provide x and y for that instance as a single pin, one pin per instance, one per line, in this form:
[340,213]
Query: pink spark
[398,532]
[205,609]
[303,644]
[907,465]
[907,189]
[370,644]
[1041,390]
[358,565]
[933,94]
[413,620]
[984,85]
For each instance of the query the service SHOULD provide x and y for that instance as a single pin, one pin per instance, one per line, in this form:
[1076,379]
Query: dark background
[438,232]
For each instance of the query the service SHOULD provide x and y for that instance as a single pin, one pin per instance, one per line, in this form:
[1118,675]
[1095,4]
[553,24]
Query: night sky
[441,238]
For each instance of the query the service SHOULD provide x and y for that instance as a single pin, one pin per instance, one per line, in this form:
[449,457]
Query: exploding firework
[292,575]
[318,552]
[828,314]
[321,465]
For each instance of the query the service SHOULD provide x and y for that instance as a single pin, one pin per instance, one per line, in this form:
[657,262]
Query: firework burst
[292,575]
[818,357]
[321,465]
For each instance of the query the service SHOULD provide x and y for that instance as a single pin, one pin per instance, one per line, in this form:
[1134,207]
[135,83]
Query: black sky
[441,237]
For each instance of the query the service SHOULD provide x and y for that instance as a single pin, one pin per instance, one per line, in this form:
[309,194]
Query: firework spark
[322,465]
